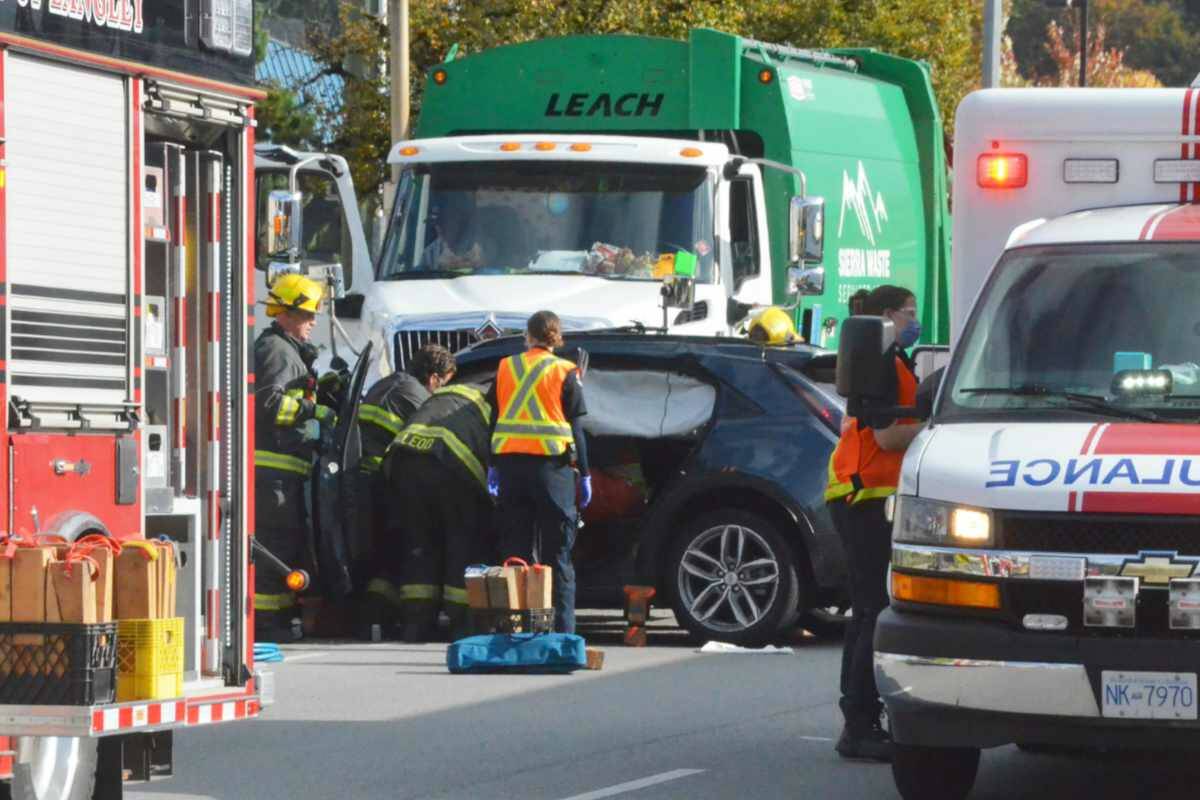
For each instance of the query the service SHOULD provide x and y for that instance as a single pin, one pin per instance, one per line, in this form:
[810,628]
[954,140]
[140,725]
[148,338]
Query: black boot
[865,743]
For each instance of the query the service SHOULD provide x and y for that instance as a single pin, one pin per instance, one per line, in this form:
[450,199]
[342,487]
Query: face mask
[909,335]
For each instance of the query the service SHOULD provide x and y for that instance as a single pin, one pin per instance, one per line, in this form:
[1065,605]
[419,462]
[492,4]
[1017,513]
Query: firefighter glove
[326,416]
[585,491]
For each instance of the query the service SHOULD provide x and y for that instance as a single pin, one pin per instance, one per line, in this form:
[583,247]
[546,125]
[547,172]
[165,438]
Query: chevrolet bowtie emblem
[1157,569]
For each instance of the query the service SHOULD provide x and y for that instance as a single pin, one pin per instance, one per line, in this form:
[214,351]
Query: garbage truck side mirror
[806,245]
[864,375]
[285,224]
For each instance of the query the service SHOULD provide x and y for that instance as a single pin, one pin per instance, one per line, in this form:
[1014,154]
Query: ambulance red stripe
[1186,129]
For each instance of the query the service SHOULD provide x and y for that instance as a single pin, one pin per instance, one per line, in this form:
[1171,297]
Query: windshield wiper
[428,273]
[1092,402]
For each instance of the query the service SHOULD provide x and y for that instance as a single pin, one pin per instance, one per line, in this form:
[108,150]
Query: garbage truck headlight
[917,519]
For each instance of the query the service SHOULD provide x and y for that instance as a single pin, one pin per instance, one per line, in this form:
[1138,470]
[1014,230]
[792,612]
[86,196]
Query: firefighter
[436,471]
[384,411]
[288,423]
[537,443]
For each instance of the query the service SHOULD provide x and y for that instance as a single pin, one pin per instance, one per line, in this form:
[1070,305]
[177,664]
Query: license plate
[1148,695]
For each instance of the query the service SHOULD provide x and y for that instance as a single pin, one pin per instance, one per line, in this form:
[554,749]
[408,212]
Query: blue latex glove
[493,482]
[585,491]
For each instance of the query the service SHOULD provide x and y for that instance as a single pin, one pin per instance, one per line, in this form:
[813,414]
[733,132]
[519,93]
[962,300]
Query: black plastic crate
[499,620]
[57,664]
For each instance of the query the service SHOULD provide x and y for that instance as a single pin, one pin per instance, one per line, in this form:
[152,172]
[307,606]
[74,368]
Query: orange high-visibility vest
[860,469]
[530,420]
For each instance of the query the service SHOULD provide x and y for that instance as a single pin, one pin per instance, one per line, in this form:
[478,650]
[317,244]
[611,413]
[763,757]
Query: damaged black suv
[709,458]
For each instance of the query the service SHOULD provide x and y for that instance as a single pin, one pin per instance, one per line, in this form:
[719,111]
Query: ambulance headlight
[919,520]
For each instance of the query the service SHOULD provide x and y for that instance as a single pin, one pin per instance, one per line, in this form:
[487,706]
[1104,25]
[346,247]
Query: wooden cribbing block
[71,593]
[137,582]
[595,658]
[30,566]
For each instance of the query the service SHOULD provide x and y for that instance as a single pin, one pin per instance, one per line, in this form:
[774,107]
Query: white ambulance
[1044,578]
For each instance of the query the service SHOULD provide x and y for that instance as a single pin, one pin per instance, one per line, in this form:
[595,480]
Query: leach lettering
[582,104]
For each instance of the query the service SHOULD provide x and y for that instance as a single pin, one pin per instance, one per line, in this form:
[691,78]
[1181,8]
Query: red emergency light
[1003,170]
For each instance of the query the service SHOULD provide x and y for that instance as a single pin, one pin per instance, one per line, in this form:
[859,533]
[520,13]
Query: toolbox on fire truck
[126,294]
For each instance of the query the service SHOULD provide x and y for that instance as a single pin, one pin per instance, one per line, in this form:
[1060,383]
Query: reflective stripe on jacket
[529,390]
[452,426]
[859,468]
[284,399]
[385,410]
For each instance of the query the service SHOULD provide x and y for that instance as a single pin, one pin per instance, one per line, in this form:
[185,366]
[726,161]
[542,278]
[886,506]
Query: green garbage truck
[577,173]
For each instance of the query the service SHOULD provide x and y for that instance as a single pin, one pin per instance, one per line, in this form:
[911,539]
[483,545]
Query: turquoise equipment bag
[517,652]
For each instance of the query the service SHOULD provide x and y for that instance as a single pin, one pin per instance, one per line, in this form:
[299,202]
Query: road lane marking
[633,786]
[301,656]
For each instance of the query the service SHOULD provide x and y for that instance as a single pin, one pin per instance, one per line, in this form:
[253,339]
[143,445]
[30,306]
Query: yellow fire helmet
[296,292]
[773,326]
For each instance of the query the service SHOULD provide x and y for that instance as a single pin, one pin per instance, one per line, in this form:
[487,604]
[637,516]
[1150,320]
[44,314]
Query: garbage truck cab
[1044,575]
[616,161]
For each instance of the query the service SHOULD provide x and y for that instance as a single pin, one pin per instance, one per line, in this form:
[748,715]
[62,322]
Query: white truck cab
[1045,574]
[606,218]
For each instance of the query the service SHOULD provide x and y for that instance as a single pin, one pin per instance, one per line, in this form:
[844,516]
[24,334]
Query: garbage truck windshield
[1097,329]
[612,220]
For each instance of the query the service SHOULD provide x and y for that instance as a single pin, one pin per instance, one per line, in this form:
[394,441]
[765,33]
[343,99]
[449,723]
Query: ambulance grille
[409,342]
[1096,533]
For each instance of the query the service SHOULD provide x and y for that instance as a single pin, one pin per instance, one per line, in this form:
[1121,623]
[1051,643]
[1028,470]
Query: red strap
[74,557]
[513,561]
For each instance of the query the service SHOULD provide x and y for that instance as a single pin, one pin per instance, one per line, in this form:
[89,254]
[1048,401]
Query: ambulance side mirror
[285,223]
[864,374]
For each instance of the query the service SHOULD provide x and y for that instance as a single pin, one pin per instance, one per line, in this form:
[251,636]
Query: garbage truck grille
[409,342]
[1098,533]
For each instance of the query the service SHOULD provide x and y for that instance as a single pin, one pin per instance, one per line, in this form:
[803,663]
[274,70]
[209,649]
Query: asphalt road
[386,720]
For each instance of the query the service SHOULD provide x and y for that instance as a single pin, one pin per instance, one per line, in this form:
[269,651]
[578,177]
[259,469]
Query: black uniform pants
[539,520]
[441,528]
[280,525]
[867,538]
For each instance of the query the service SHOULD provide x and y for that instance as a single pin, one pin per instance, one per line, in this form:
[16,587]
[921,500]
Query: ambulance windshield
[625,221]
[1095,329]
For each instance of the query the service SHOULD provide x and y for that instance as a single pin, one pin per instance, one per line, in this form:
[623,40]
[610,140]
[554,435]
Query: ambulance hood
[1119,467]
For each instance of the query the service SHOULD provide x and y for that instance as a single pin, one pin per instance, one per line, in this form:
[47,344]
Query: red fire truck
[126,304]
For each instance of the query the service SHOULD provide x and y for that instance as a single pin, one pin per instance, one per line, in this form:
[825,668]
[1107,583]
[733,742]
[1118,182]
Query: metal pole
[1083,41]
[398,29]
[993,19]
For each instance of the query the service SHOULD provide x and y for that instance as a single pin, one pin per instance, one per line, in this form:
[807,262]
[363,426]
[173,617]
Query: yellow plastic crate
[149,659]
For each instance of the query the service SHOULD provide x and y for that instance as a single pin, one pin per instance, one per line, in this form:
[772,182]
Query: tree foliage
[1105,67]
[287,116]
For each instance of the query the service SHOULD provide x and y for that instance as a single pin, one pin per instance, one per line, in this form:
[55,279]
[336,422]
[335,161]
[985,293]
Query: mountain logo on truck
[869,208]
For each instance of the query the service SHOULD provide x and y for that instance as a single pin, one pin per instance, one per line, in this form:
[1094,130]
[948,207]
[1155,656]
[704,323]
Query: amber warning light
[297,580]
[1003,170]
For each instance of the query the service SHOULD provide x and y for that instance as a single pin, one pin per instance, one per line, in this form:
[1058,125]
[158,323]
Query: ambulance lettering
[869,208]
[1100,473]
[124,15]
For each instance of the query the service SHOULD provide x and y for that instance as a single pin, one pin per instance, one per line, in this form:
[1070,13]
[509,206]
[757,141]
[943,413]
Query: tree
[946,33]
[1106,65]
[287,116]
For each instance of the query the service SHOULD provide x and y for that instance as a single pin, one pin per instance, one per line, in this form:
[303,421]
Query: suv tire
[934,773]
[732,577]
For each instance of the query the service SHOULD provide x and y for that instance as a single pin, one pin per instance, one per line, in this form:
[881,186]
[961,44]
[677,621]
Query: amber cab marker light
[691,152]
[409,151]
[945,591]
[297,580]
[509,147]
[765,76]
[439,77]
[544,146]
[1003,171]
[581,147]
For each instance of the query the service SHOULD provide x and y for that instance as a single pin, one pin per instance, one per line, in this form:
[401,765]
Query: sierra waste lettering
[122,15]
[1108,472]
[582,104]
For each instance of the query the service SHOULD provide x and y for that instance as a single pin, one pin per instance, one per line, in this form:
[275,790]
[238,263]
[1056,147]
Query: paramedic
[385,410]
[288,423]
[537,435]
[440,504]
[865,469]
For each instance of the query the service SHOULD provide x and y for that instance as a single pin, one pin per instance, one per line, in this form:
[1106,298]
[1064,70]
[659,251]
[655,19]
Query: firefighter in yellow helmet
[288,422]
[773,326]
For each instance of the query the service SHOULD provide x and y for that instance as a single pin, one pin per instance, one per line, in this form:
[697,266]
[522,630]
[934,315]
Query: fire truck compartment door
[68,232]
